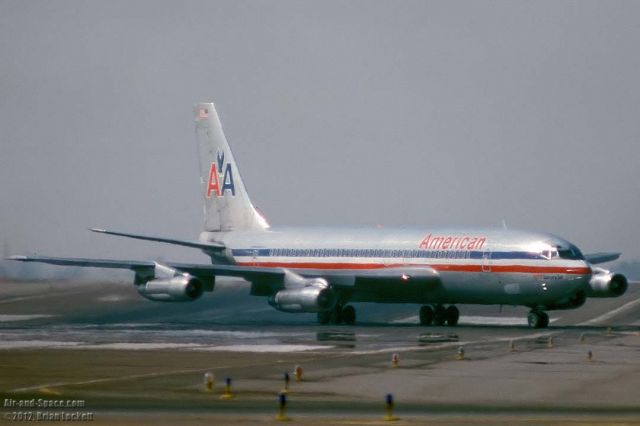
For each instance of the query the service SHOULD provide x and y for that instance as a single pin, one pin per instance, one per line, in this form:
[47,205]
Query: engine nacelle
[606,284]
[316,296]
[181,288]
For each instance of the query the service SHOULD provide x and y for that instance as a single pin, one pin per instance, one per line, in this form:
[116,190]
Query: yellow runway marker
[282,408]
[395,360]
[287,379]
[48,391]
[388,408]
[209,379]
[297,372]
[228,393]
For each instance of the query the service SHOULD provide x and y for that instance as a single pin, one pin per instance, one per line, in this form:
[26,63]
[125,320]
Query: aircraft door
[486,260]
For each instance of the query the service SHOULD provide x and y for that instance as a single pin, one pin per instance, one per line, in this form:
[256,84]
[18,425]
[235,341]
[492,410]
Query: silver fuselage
[478,266]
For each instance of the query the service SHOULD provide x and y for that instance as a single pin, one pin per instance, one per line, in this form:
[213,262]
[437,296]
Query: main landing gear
[338,315]
[439,315]
[538,319]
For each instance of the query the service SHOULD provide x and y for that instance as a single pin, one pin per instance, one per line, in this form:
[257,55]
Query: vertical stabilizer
[227,206]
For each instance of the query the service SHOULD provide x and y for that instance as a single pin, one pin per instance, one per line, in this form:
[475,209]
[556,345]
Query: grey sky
[394,113]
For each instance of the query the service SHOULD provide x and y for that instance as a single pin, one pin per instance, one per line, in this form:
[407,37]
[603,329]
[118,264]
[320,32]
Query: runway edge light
[395,360]
[209,380]
[282,408]
[228,392]
[297,372]
[389,405]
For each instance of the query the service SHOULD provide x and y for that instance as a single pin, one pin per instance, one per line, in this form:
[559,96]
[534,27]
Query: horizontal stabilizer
[185,243]
[595,258]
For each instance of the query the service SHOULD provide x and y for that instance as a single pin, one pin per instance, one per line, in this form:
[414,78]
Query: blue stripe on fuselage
[384,253]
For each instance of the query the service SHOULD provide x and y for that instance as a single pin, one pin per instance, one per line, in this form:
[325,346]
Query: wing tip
[602,257]
[615,255]
[19,257]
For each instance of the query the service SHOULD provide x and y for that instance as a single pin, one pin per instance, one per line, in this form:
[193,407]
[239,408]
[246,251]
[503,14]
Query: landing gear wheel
[537,319]
[349,315]
[439,316]
[452,315]
[545,320]
[426,315]
[335,315]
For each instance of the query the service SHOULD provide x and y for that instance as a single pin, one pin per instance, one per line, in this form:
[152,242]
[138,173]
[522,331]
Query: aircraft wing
[271,276]
[134,265]
[595,258]
[197,270]
[186,243]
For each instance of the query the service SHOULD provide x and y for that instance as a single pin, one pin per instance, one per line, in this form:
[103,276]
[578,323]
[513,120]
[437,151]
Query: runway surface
[136,361]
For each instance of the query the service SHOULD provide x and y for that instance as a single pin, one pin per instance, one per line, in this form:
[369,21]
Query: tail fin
[227,206]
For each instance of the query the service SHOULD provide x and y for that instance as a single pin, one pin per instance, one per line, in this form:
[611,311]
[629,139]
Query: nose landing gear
[537,319]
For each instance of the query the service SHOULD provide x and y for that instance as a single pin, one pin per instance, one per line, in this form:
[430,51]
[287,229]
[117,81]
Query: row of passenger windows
[431,254]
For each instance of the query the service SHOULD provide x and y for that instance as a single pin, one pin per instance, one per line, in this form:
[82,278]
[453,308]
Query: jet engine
[165,284]
[181,288]
[604,283]
[314,296]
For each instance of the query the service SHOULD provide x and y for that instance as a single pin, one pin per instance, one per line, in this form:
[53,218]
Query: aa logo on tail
[220,172]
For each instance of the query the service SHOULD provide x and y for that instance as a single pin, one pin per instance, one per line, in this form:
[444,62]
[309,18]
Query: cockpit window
[549,254]
[571,253]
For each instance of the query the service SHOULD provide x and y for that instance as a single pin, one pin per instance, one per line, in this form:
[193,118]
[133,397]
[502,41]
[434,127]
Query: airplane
[325,270]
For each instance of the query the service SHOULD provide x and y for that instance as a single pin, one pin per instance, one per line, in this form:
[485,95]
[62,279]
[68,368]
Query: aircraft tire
[545,320]
[349,315]
[537,319]
[439,315]
[426,315]
[335,315]
[452,314]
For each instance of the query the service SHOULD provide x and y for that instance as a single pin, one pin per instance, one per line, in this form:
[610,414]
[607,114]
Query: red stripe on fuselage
[524,269]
